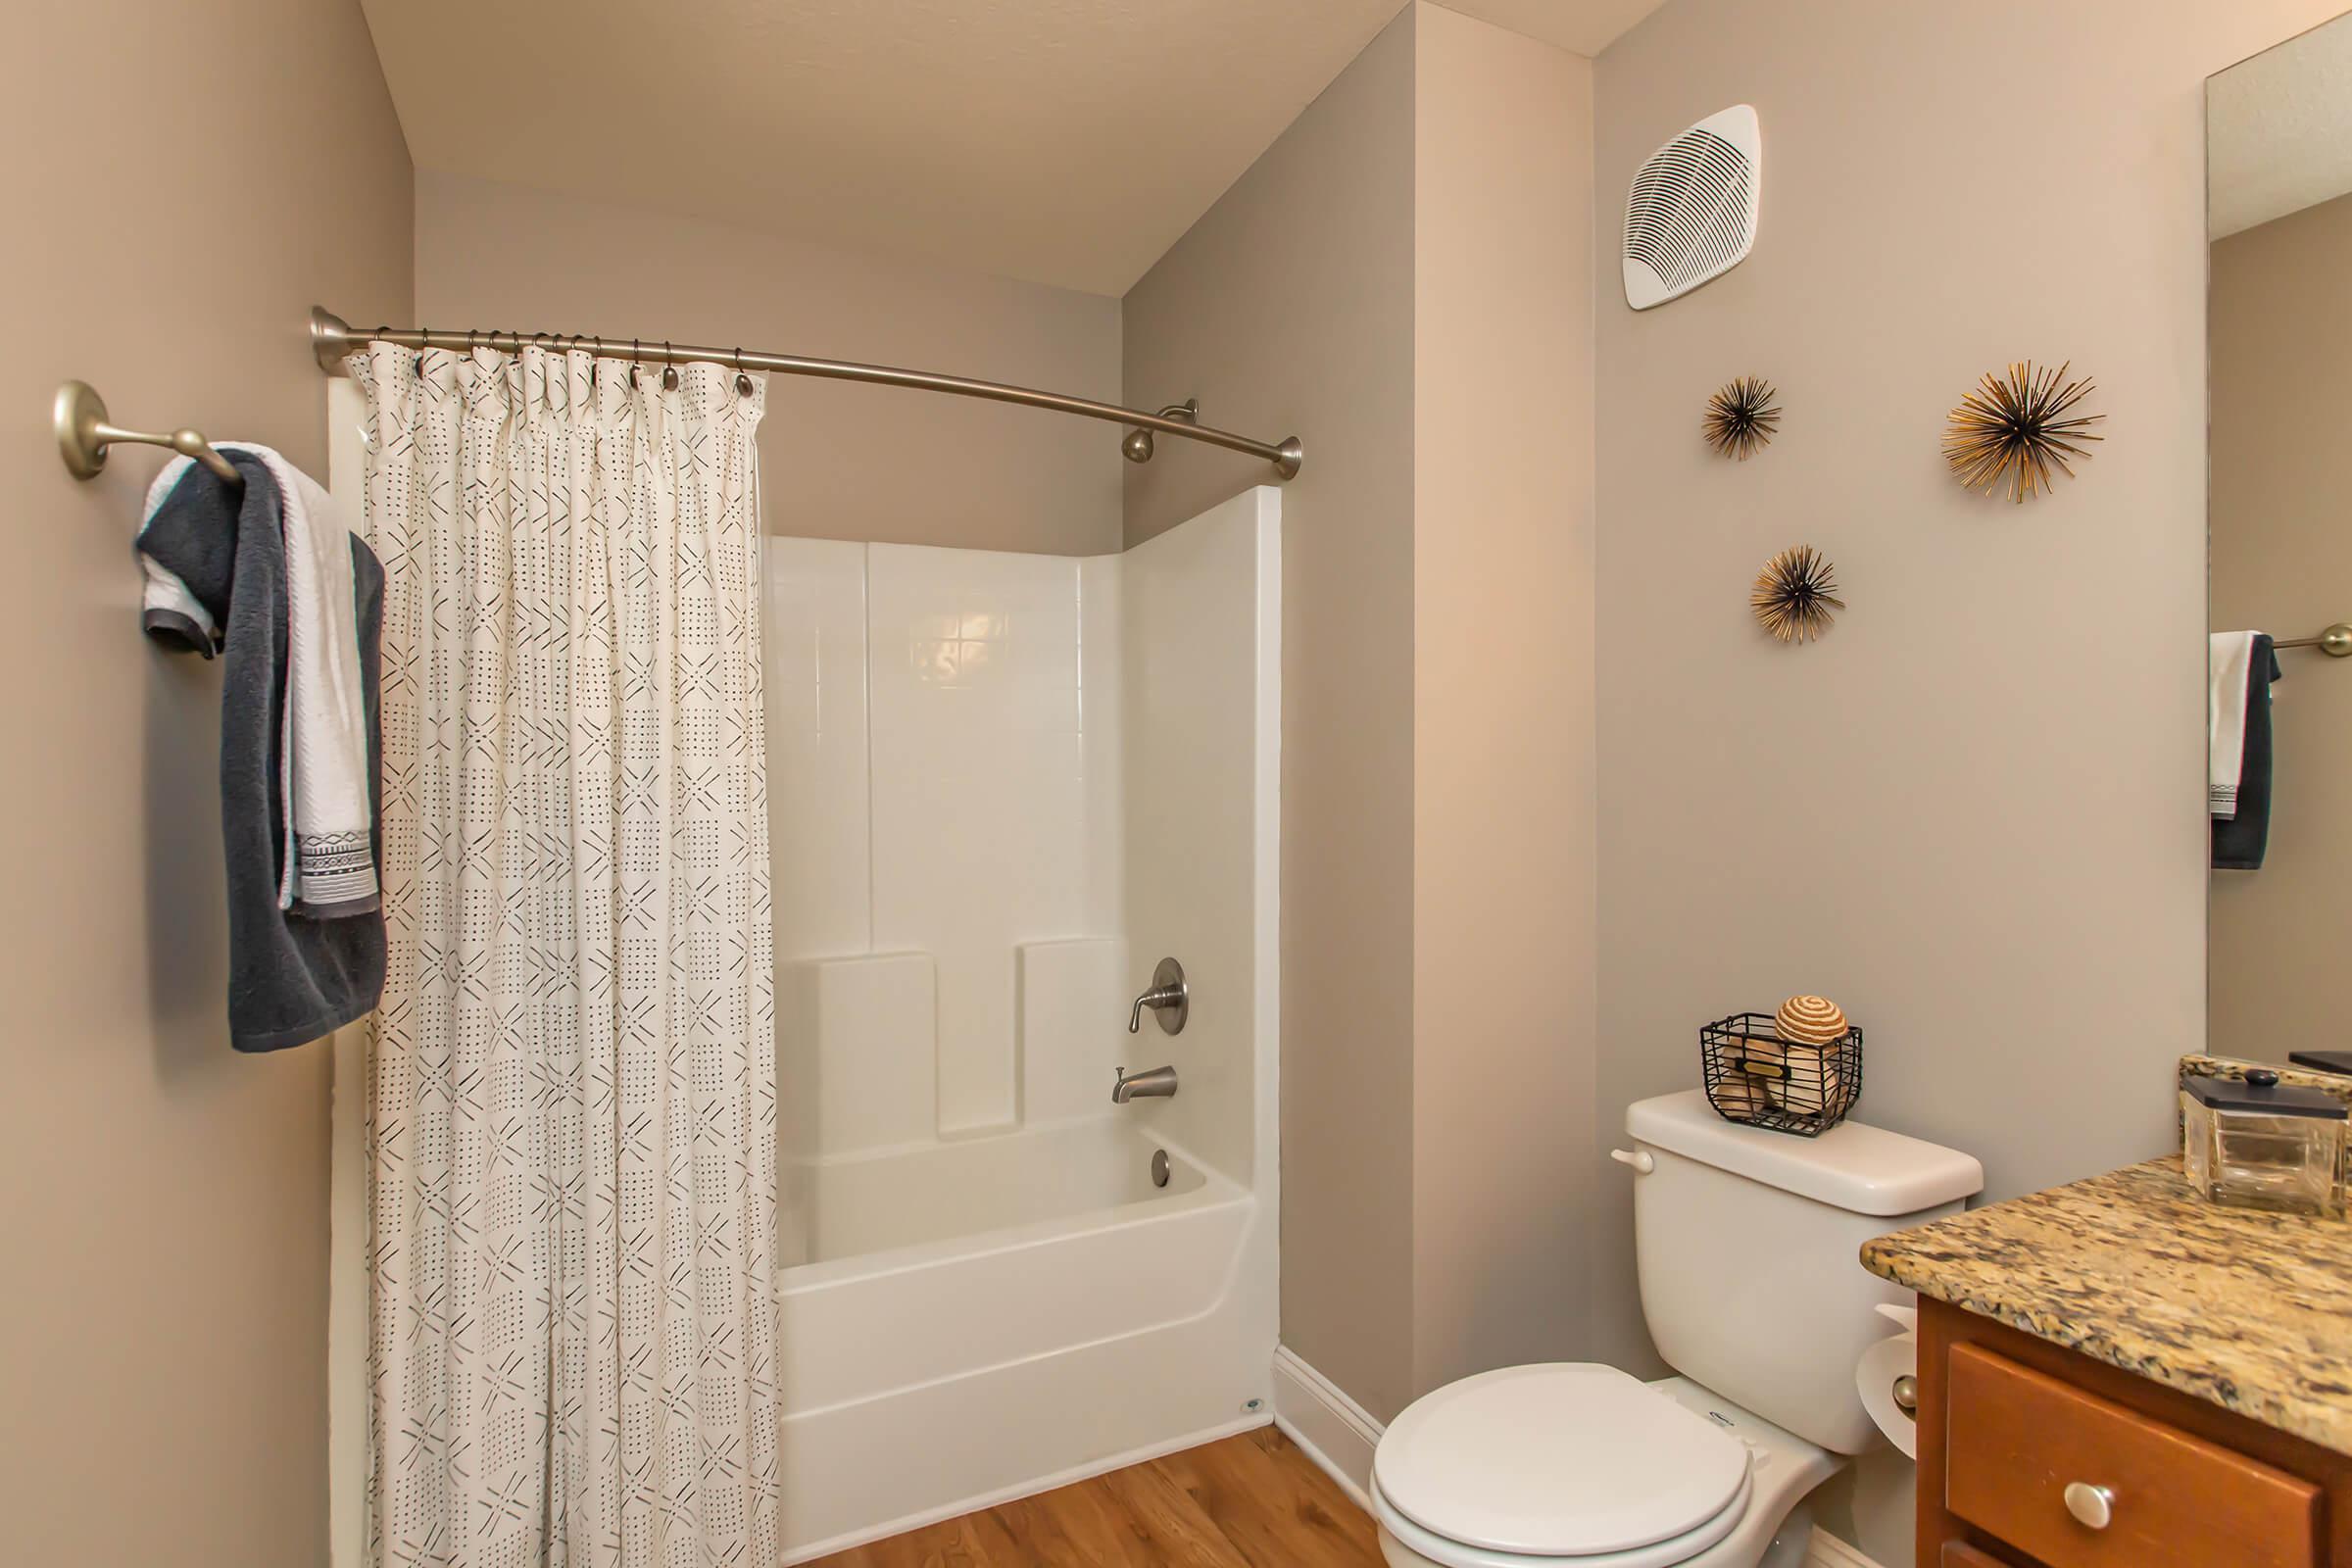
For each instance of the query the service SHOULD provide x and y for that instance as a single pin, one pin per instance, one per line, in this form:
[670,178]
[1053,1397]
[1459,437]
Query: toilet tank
[1747,1244]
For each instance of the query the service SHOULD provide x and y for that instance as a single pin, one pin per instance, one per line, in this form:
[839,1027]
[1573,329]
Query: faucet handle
[1170,997]
[1155,998]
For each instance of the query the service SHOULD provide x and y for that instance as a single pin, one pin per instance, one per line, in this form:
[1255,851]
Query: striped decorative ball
[1810,1021]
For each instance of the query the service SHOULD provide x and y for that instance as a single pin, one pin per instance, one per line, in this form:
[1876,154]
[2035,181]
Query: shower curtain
[571,1095]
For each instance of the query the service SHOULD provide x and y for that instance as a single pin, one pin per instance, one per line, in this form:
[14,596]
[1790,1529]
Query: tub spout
[1159,1083]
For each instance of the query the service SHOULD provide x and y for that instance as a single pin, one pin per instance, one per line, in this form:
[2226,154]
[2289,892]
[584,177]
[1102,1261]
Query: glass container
[2257,1144]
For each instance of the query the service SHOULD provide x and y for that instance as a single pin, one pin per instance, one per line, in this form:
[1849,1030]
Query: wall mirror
[2279,157]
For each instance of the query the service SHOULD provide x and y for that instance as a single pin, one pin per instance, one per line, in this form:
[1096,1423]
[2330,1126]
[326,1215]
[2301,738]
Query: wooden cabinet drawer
[2016,1438]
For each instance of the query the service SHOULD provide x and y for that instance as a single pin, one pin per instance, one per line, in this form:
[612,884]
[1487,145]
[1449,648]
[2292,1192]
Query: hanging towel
[2242,838]
[2228,662]
[329,868]
[327,865]
[219,578]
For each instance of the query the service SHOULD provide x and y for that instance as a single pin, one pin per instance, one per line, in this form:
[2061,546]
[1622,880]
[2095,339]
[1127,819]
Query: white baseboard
[1335,1430]
[1828,1551]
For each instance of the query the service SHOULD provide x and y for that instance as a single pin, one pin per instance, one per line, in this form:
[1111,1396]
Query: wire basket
[1757,1079]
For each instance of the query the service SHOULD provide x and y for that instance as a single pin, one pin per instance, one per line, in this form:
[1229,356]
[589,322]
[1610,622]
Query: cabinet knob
[2092,1507]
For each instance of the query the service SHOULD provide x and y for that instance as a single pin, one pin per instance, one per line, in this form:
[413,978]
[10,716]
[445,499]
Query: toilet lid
[1564,1459]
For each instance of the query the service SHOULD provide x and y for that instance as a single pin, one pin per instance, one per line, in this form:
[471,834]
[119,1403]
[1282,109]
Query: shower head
[1137,445]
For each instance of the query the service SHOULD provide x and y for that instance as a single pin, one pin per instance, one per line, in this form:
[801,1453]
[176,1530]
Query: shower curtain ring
[743,382]
[426,333]
[669,367]
[633,357]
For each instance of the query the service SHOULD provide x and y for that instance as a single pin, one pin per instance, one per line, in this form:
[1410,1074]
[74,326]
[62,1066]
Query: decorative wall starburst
[1795,593]
[2020,431]
[1742,418]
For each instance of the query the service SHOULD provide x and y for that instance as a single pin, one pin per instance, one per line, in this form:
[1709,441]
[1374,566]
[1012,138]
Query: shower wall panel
[944,782]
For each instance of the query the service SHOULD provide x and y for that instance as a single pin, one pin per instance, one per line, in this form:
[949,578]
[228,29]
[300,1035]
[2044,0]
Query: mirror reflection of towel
[2241,840]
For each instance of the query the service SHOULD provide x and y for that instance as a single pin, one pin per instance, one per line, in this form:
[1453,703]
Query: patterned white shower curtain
[571,1090]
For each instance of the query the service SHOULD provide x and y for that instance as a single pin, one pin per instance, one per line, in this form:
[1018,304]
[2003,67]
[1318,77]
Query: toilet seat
[1568,1462]
[1437,1548]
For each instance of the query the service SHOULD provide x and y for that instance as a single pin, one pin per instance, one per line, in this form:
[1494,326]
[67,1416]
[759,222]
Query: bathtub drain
[1160,1167]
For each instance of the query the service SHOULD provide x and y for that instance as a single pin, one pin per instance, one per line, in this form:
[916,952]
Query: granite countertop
[2249,1311]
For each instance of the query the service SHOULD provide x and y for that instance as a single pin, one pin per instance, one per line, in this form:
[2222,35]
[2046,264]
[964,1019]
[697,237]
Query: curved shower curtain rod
[332,339]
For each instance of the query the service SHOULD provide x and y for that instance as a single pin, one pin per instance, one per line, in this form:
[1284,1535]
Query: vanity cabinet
[2031,1456]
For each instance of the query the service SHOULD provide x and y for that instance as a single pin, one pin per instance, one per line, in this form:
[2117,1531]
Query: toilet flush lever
[1639,1158]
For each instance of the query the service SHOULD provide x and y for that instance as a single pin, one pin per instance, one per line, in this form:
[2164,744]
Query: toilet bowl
[1744,1245]
[1577,1465]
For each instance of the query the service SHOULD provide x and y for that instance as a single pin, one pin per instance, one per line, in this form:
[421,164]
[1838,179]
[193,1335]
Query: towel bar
[2335,642]
[84,435]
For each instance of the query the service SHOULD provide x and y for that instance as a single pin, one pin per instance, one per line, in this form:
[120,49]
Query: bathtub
[982,1319]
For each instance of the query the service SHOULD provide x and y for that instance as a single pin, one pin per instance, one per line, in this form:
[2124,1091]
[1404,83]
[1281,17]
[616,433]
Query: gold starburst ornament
[1795,595]
[1742,418]
[2020,431]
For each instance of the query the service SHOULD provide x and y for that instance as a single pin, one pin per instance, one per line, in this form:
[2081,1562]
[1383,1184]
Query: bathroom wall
[2281,558]
[1974,812]
[840,460]
[1405,281]
[1287,308]
[165,1331]
[1502,698]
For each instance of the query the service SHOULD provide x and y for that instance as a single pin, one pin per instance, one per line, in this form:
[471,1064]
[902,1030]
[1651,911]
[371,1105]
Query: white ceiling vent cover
[1691,213]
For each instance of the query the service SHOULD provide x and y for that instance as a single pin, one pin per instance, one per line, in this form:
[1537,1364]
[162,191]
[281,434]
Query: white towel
[328,858]
[2228,666]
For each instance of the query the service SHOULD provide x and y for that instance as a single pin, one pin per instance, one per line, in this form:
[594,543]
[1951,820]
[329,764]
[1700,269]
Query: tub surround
[1003,782]
[2245,1310]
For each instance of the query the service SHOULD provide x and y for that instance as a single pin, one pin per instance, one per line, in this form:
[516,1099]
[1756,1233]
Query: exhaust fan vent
[1691,213]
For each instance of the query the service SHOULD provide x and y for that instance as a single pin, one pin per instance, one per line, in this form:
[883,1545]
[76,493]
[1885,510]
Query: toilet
[1746,1244]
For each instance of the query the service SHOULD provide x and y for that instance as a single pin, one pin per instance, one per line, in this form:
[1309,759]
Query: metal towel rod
[332,339]
[2335,642]
[84,435]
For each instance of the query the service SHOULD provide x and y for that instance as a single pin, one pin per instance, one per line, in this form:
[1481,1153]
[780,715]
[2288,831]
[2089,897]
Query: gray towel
[291,978]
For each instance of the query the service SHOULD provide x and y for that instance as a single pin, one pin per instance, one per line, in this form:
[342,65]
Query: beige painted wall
[1405,281]
[1502,698]
[1974,814]
[840,460]
[186,182]
[1289,307]
[2281,329]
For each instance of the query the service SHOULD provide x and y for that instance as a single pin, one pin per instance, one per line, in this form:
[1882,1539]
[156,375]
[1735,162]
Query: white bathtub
[862,1205]
[986,1318]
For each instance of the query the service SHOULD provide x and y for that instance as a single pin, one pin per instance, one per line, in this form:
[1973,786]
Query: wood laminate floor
[1251,1501]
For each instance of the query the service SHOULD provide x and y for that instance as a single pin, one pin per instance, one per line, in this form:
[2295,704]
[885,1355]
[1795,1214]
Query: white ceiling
[2278,129]
[1063,141]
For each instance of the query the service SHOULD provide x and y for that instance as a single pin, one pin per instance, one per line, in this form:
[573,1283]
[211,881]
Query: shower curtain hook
[669,367]
[426,333]
[633,356]
[743,382]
